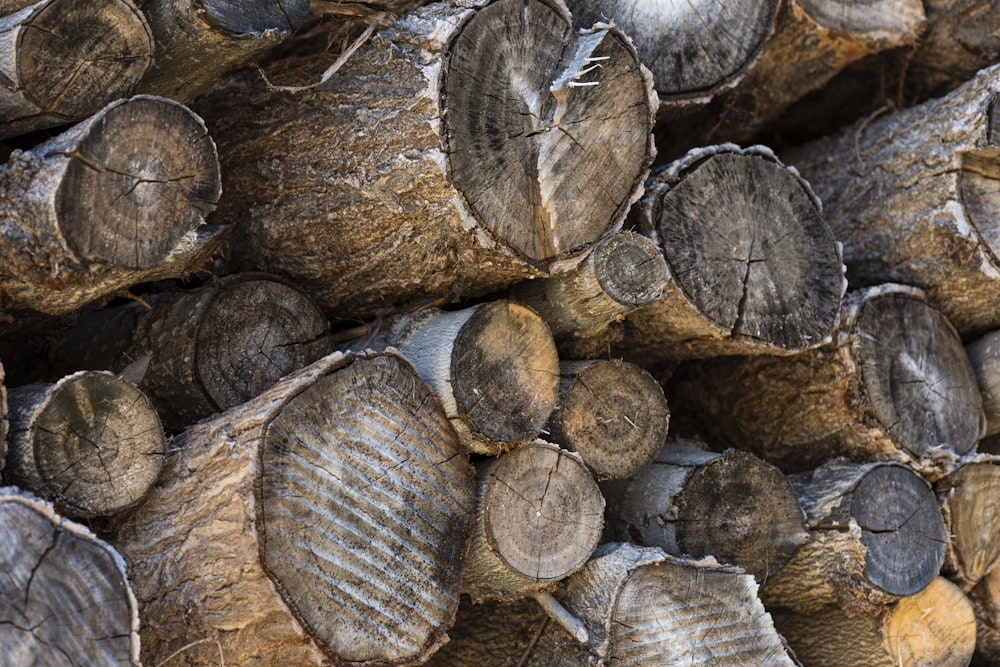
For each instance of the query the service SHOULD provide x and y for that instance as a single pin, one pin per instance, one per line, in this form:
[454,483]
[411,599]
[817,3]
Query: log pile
[499,332]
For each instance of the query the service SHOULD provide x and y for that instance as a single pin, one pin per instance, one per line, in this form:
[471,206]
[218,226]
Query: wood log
[467,139]
[4,423]
[984,355]
[695,503]
[961,37]
[877,536]
[65,59]
[612,413]
[116,200]
[971,507]
[895,385]
[933,628]
[64,595]
[494,366]
[753,266]
[492,632]
[914,197]
[323,521]
[985,598]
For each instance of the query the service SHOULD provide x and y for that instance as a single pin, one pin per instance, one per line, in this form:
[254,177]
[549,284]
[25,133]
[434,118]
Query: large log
[460,149]
[985,597]
[323,521]
[971,506]
[984,355]
[961,37]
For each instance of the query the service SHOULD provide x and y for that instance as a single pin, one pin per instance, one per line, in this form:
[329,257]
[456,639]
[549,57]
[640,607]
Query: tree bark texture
[961,37]
[877,536]
[64,595]
[460,149]
[323,521]
[971,507]
[62,60]
[896,384]
[914,196]
[492,632]
[116,200]
[696,503]
[753,266]
[985,598]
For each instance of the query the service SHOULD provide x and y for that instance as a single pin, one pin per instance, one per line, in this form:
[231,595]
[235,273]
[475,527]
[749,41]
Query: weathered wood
[91,443]
[458,150]
[984,355]
[491,632]
[985,597]
[692,502]
[612,413]
[971,507]
[962,37]
[4,423]
[116,200]
[64,595]
[494,366]
[877,536]
[895,385]
[62,60]
[753,266]
[915,195]
[323,521]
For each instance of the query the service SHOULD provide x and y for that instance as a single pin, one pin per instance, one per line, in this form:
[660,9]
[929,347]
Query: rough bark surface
[971,506]
[492,633]
[961,37]
[985,597]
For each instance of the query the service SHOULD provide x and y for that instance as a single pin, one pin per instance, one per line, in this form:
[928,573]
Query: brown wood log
[322,522]
[895,385]
[116,200]
[91,443]
[961,37]
[971,508]
[985,597]
[933,628]
[753,266]
[458,150]
[914,197]
[877,536]
[63,60]
[692,502]
[64,595]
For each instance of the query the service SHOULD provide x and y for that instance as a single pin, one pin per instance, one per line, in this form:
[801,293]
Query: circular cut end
[365,507]
[901,528]
[98,445]
[917,375]
[76,56]
[505,372]
[253,333]
[253,19]
[974,519]
[750,250]
[144,175]
[543,513]
[547,133]
[937,626]
[630,269]
[615,417]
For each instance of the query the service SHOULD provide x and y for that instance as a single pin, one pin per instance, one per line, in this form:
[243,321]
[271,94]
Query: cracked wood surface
[970,501]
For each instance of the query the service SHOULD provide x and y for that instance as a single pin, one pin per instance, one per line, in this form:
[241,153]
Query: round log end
[631,269]
[972,510]
[936,626]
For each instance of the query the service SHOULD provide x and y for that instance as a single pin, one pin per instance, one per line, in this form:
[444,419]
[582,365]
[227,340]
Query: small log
[692,502]
[323,521]
[915,196]
[116,200]
[753,266]
[896,385]
[612,413]
[65,59]
[933,628]
[984,355]
[971,507]
[985,597]
[962,37]
[877,536]
[64,595]
[490,156]
[494,366]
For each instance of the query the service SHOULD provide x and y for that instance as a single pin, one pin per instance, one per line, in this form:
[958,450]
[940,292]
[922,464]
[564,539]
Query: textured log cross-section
[985,599]
[62,60]
[323,521]
[460,149]
[971,506]
[64,596]
[984,355]
[115,200]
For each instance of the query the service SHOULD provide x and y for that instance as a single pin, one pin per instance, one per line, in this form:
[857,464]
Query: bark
[92,443]
[692,502]
[64,595]
[896,384]
[877,536]
[62,60]
[933,628]
[962,37]
[612,413]
[985,599]
[116,200]
[493,633]
[914,196]
[971,507]
[494,366]
[460,149]
[753,267]
[984,355]
[324,521]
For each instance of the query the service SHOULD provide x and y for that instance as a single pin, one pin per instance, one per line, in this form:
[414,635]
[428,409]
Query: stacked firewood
[500,332]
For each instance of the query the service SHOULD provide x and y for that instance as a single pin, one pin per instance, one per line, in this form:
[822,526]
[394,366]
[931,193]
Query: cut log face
[971,505]
[984,355]
[64,595]
[985,598]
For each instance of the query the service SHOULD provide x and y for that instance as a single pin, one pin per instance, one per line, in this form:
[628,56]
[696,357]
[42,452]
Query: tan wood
[971,507]
[985,598]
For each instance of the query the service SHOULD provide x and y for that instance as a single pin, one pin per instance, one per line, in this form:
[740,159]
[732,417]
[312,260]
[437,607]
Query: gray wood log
[324,521]
[984,355]
[64,595]
[970,502]
[503,146]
